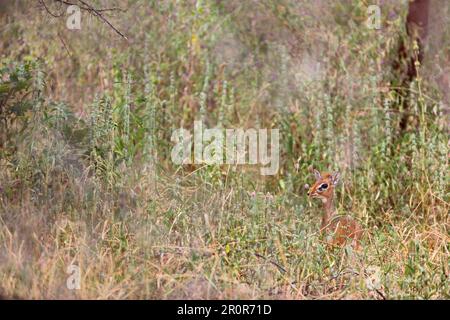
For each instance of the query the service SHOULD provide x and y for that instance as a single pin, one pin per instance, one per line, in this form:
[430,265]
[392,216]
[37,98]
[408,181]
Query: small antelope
[337,228]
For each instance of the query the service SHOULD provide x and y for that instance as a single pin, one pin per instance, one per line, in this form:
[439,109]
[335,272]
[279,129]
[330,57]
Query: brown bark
[405,66]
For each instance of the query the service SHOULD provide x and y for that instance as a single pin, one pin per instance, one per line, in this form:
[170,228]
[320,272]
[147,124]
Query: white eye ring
[323,186]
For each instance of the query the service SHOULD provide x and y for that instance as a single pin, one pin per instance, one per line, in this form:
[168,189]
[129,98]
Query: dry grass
[79,183]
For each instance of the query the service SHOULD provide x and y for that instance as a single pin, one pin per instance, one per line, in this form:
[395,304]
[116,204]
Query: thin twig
[86,7]
[281,268]
[89,7]
[64,44]
[42,2]
[100,16]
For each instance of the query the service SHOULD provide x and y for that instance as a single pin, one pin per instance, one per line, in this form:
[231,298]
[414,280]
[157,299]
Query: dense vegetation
[86,177]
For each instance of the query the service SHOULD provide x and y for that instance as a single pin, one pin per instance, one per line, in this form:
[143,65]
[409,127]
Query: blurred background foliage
[86,118]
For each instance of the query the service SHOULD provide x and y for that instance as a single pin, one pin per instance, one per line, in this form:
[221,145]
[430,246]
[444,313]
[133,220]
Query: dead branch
[85,6]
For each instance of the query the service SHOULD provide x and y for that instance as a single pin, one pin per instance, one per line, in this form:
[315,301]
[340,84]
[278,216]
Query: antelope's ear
[335,177]
[317,174]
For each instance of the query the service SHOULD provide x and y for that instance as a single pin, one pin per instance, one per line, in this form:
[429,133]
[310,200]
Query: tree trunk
[405,66]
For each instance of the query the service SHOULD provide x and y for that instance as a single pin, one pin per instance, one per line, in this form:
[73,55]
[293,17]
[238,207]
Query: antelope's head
[324,186]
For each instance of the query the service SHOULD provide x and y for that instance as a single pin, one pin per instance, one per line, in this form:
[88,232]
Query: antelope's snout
[311,194]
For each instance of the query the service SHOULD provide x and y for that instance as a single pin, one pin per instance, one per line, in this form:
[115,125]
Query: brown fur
[337,229]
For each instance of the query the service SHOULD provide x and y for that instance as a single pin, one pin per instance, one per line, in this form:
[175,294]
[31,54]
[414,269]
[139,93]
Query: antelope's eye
[323,186]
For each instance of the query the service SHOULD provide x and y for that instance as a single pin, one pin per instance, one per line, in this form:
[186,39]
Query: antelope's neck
[329,212]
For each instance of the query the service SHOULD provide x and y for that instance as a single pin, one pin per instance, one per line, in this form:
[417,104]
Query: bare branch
[100,16]
[42,2]
[83,5]
[88,7]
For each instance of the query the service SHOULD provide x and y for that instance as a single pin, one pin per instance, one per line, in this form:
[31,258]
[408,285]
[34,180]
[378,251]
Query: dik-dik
[337,229]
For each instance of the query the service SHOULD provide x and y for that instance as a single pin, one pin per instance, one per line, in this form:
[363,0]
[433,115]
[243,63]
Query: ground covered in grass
[88,187]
